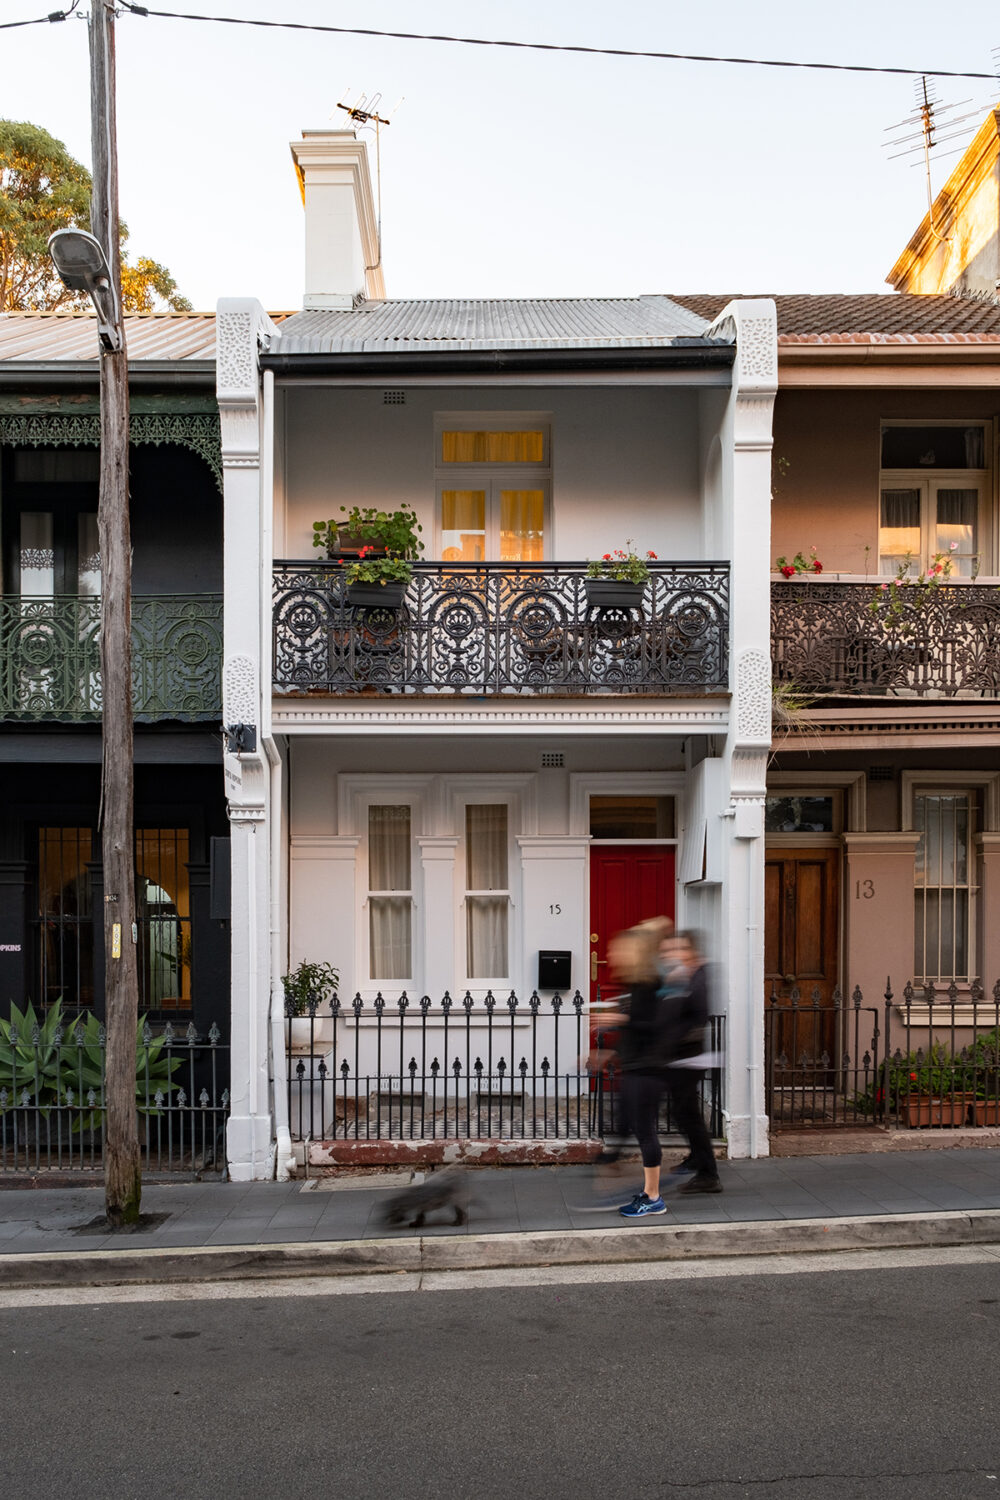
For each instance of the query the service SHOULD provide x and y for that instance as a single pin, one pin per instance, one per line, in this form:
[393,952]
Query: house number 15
[555,911]
[864,890]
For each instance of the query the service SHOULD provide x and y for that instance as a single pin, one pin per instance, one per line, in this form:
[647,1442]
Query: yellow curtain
[463,525]
[492,447]
[522,525]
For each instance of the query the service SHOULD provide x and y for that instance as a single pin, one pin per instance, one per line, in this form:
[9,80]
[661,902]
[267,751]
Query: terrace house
[466,792]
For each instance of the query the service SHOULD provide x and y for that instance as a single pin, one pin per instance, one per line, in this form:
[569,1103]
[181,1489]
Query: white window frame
[928,481]
[492,478]
[356,795]
[398,895]
[519,792]
[468,892]
[950,784]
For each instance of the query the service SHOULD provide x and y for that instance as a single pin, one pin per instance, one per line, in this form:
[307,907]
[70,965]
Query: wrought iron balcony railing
[490,629]
[826,639]
[50,660]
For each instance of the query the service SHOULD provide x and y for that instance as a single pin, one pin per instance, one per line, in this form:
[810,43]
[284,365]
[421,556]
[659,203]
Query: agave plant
[59,1062]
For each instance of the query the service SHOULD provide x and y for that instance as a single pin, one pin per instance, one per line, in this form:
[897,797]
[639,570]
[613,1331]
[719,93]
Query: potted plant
[985,1065]
[337,539]
[931,1088]
[897,604]
[383,547]
[799,564]
[307,987]
[617,580]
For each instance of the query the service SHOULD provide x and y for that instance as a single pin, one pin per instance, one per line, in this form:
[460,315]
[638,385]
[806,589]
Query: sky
[519,174]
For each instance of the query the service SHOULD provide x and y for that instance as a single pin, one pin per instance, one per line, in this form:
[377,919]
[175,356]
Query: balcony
[50,659]
[498,629]
[826,640]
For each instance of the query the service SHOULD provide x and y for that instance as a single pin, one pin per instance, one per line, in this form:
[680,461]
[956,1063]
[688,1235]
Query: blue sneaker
[642,1206]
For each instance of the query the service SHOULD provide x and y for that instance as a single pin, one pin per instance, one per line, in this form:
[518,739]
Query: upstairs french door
[501,519]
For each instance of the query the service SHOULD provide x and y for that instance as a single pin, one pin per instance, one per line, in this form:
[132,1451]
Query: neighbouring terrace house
[457,799]
[51,887]
[883,791]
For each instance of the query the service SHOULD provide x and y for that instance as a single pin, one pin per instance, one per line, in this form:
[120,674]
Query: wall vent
[393,398]
[881,773]
[552,759]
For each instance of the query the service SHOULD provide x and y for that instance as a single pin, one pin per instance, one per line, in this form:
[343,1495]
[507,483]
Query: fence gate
[810,1088]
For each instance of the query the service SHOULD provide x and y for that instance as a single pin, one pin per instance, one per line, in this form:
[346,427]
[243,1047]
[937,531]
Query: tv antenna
[928,117]
[364,113]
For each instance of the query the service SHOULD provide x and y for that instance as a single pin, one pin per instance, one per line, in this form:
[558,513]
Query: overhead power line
[56,15]
[481,41]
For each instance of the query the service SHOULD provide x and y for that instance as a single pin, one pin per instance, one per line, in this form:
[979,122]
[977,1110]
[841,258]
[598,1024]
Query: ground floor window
[390,893]
[487,894]
[67,929]
[635,817]
[944,886]
[65,924]
[164,918]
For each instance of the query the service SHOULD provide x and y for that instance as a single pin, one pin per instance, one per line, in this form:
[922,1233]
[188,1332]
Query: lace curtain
[487,901]
[389,915]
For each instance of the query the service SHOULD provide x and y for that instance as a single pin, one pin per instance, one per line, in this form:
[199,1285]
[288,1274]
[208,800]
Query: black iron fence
[487,629]
[461,1070]
[53,1106]
[929,1057]
[941,643]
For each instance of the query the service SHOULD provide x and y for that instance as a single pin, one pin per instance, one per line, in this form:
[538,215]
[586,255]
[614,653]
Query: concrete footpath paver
[517,1216]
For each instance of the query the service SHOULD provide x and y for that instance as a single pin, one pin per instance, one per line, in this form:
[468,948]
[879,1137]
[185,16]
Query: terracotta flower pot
[921,1110]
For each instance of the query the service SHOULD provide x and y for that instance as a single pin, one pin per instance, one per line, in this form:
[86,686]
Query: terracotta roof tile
[889,317]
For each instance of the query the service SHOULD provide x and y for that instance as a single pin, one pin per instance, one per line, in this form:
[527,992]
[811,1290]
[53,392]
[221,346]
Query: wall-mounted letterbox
[555,966]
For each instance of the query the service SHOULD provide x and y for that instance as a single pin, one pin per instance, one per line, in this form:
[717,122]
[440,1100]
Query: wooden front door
[802,903]
[628,884]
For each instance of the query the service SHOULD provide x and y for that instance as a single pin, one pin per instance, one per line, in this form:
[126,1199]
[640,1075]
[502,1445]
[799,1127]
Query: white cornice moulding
[685,719]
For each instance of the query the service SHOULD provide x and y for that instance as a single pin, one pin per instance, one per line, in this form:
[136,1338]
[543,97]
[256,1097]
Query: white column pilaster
[746,525]
[437,856]
[239,326]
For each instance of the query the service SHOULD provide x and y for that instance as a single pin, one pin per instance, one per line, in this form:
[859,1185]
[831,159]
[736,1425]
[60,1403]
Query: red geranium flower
[817,565]
[788,571]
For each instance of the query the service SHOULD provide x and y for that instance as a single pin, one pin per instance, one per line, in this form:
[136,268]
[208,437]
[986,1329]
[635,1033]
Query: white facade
[678,461]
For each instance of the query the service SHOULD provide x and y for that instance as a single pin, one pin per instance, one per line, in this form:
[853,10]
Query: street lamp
[82,266]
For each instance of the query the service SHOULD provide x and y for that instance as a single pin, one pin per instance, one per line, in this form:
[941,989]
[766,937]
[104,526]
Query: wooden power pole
[122,1173]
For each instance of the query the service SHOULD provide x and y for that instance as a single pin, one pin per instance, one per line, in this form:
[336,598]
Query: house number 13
[864,890]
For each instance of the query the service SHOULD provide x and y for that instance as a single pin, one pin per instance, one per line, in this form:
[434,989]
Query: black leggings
[641,1094]
[685,1105]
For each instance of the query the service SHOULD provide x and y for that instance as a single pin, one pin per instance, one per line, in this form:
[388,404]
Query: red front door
[628,884]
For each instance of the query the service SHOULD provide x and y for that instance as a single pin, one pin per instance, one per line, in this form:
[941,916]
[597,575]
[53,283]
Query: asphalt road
[838,1384]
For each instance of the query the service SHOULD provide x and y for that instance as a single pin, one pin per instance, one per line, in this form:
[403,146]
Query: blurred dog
[439,1190]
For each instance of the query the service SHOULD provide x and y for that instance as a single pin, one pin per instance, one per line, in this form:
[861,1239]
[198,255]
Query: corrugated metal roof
[73,336]
[490,323]
[39,337]
[823,317]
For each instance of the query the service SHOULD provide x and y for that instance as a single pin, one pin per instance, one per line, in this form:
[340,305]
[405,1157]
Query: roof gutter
[503,361]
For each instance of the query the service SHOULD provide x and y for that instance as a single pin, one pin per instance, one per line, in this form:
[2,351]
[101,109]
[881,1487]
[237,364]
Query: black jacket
[685,1016]
[640,1041]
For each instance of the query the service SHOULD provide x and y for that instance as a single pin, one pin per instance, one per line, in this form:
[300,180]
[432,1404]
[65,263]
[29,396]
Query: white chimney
[342,250]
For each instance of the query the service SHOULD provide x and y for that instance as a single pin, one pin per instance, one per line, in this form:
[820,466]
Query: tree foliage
[42,189]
